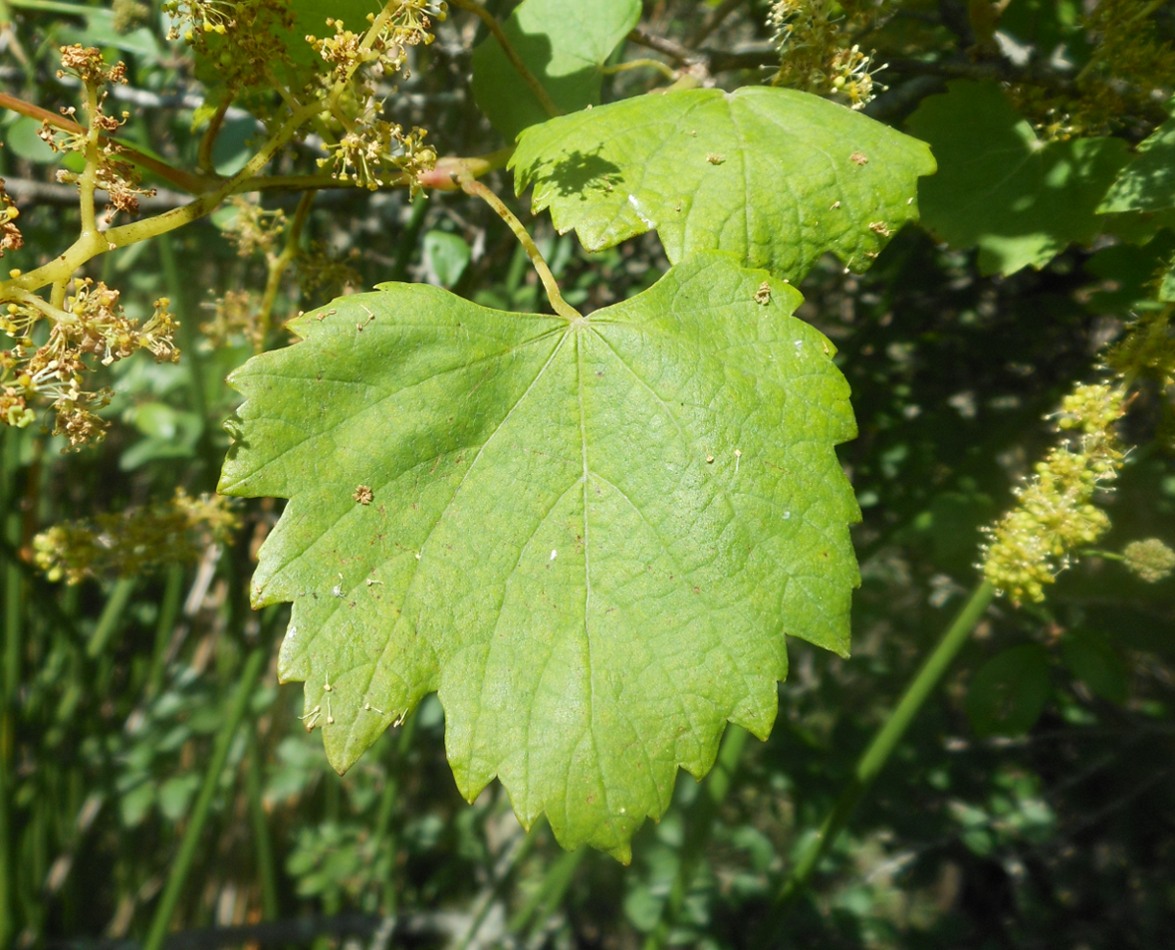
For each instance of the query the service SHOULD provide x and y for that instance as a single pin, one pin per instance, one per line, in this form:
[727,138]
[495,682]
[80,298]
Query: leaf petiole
[472,186]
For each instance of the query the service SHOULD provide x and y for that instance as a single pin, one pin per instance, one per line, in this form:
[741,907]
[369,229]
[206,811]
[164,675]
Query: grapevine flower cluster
[1054,513]
[91,328]
[241,38]
[10,237]
[1148,350]
[119,179]
[369,149]
[255,229]
[1129,71]
[136,540]
[247,40]
[811,38]
[1131,61]
[87,324]
[1151,559]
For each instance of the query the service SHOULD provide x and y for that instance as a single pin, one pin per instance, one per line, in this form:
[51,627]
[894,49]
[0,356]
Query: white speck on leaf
[636,206]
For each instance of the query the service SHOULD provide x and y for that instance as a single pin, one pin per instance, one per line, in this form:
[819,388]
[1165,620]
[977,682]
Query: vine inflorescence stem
[877,754]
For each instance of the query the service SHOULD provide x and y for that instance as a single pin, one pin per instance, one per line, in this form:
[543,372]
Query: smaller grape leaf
[1148,182]
[1021,200]
[589,536]
[564,44]
[776,176]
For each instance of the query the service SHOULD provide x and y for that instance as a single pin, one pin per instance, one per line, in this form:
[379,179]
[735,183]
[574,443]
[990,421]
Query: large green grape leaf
[564,44]
[775,176]
[1020,199]
[589,536]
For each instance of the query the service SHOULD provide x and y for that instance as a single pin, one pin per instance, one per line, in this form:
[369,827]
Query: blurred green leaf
[176,794]
[1021,200]
[21,137]
[1167,284]
[1009,692]
[445,258]
[1148,181]
[169,433]
[564,44]
[1092,659]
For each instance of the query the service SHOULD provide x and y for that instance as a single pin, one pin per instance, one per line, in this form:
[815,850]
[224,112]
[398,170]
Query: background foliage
[1031,802]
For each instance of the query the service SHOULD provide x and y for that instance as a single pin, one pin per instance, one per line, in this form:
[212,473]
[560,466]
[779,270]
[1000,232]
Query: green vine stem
[558,304]
[699,827]
[279,264]
[491,22]
[11,654]
[504,874]
[92,243]
[88,182]
[874,758]
[266,863]
[547,897]
[656,64]
[439,178]
[204,160]
[198,819]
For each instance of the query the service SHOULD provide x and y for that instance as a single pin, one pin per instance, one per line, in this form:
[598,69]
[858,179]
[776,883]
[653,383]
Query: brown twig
[193,184]
[713,20]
